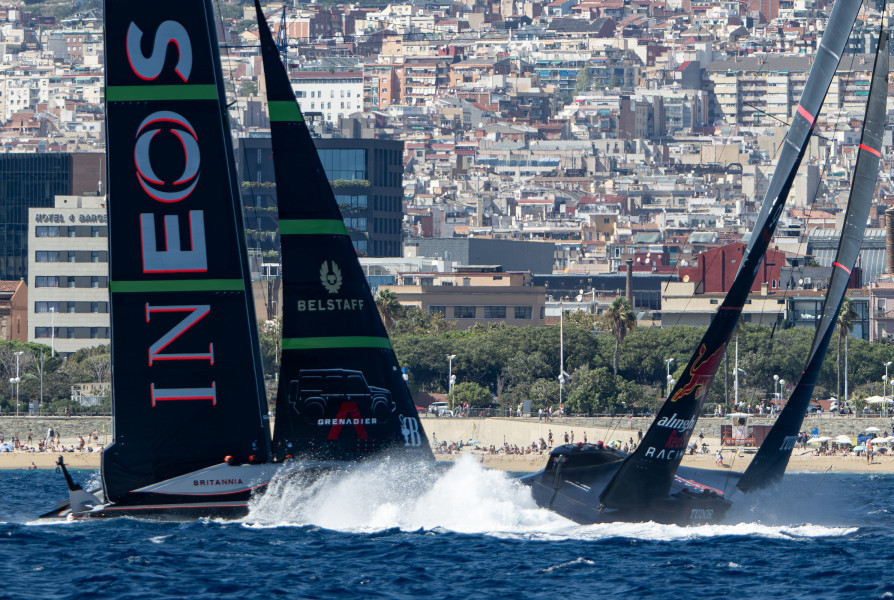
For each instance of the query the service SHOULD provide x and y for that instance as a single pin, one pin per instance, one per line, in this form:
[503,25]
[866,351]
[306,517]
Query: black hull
[157,512]
[576,475]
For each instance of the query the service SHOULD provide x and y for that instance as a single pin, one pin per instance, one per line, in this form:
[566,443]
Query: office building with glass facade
[366,176]
[32,181]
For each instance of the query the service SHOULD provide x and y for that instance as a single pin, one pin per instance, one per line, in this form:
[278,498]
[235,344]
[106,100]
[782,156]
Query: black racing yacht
[590,484]
[191,436]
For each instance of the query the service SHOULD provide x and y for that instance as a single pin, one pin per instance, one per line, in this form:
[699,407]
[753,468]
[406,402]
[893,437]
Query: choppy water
[465,532]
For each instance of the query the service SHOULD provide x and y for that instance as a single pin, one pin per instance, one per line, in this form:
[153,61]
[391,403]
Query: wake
[463,498]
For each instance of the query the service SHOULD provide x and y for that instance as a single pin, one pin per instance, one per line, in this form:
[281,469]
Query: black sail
[647,474]
[341,392]
[769,464]
[187,385]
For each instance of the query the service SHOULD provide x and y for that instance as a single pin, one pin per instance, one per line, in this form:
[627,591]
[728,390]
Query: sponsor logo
[203,482]
[700,514]
[348,414]
[664,454]
[788,442]
[330,304]
[409,428]
[182,130]
[701,374]
[672,422]
[330,276]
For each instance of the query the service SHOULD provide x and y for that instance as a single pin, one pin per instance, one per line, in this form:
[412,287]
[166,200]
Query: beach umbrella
[872,429]
[819,440]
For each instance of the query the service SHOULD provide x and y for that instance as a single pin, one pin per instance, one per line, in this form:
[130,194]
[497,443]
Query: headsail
[187,385]
[648,473]
[769,464]
[341,393]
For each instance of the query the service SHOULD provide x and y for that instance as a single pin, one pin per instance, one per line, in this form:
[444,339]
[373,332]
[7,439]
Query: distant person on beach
[585,437]
[566,437]
[718,458]
[540,414]
[549,438]
[629,422]
[639,436]
[33,466]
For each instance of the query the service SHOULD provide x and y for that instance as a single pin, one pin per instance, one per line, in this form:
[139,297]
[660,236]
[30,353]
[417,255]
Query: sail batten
[341,393]
[647,474]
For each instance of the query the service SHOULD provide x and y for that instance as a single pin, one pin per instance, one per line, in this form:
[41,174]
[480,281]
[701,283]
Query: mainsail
[648,473]
[769,464]
[187,385]
[341,393]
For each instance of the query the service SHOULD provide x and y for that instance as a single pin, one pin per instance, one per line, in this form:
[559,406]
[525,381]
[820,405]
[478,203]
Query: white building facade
[68,274]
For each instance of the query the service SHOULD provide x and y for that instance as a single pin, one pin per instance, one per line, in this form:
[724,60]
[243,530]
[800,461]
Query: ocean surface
[463,532]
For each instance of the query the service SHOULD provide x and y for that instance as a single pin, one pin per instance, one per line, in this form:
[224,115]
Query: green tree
[584,81]
[389,307]
[248,88]
[471,393]
[619,319]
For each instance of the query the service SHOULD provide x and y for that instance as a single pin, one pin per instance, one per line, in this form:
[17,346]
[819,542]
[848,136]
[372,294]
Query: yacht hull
[576,475]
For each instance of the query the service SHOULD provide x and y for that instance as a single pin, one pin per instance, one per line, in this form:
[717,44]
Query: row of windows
[490,312]
[386,226]
[386,248]
[352,203]
[72,332]
[71,231]
[342,94]
[358,223]
[71,256]
[328,105]
[71,307]
[54,281]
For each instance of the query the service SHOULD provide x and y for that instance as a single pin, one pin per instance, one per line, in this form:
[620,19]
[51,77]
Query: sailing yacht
[191,436]
[593,484]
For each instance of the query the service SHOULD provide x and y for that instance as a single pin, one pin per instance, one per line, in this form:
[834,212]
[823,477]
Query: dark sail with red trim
[187,385]
[341,393]
[647,474]
[769,464]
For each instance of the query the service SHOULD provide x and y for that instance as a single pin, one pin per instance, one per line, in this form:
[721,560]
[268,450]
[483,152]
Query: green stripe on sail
[347,341]
[312,226]
[132,93]
[184,285]
[284,110]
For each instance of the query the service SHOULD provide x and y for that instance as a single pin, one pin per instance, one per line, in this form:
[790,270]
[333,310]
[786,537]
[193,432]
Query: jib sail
[648,473]
[769,464]
[187,386]
[341,393]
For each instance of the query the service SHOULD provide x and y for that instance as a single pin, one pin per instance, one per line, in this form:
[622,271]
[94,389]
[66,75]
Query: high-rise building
[31,181]
[366,176]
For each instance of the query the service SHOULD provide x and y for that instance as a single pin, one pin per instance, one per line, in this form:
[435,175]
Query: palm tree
[389,307]
[620,319]
[845,323]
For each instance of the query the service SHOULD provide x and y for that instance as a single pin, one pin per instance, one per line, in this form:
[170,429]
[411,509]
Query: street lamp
[742,371]
[17,381]
[667,364]
[884,392]
[776,387]
[781,392]
[52,331]
[450,378]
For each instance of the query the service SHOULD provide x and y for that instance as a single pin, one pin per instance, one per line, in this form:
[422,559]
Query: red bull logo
[701,373]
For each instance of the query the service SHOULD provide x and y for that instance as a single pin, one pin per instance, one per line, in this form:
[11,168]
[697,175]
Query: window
[46,256]
[42,307]
[441,310]
[494,312]
[463,312]
[46,281]
[46,231]
[714,301]
[524,312]
[94,281]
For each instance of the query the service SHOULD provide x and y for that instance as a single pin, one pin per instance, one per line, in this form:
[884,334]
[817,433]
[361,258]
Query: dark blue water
[463,533]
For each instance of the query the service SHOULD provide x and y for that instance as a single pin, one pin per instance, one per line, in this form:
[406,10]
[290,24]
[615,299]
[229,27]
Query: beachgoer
[540,414]
[585,437]
[572,436]
[549,438]
[566,437]
[718,458]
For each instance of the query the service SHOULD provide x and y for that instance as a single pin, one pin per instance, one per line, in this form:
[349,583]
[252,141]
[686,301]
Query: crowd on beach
[536,447]
[52,442]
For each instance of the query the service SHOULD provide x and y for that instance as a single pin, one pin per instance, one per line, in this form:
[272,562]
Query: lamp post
[450,379]
[884,389]
[52,331]
[667,364]
[775,387]
[781,392]
[17,381]
[742,371]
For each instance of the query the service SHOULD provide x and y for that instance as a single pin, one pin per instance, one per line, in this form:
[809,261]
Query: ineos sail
[769,464]
[341,393]
[187,385]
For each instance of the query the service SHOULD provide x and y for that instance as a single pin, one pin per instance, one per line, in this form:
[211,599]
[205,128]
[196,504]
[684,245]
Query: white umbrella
[879,400]
[881,440]
[843,439]
[818,440]
[872,429]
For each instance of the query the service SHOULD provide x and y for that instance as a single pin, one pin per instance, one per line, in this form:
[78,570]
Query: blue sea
[463,532]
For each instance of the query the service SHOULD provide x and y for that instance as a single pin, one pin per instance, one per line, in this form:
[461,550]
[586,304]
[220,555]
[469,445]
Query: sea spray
[463,497]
